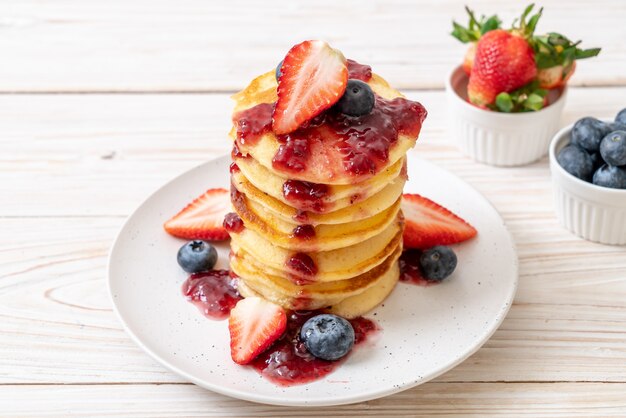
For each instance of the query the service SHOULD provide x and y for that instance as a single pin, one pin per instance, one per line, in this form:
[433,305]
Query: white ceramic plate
[425,330]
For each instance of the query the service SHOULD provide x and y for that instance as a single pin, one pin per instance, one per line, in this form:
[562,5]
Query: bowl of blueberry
[588,165]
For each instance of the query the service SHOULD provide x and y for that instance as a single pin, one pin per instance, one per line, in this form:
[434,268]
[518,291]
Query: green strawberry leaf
[532,23]
[527,11]
[473,23]
[504,103]
[542,46]
[555,39]
[544,60]
[490,24]
[475,27]
[526,29]
[534,101]
[555,49]
[462,34]
[528,98]
[580,54]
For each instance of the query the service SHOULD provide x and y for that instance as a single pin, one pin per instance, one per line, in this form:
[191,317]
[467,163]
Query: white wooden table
[103,101]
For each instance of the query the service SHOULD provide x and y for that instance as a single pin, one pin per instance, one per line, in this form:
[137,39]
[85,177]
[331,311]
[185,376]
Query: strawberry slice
[254,324]
[313,78]
[202,218]
[428,224]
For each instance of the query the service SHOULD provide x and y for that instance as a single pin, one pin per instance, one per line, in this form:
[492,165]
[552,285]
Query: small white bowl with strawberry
[505,101]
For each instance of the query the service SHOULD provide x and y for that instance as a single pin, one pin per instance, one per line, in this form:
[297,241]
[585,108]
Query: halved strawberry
[254,324]
[202,218]
[313,78]
[428,224]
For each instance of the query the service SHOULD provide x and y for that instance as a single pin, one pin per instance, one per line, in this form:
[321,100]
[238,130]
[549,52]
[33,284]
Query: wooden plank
[54,304]
[549,400]
[193,45]
[101,142]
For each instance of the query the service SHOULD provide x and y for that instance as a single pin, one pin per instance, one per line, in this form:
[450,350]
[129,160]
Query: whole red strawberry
[504,62]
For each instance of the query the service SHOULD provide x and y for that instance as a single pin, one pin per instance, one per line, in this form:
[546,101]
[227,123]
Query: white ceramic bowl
[592,212]
[500,139]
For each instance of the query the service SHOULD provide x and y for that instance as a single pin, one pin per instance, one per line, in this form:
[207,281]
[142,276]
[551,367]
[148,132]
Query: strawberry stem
[527,98]
[527,28]
[475,27]
[555,49]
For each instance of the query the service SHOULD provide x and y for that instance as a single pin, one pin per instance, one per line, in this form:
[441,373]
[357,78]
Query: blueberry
[438,262]
[576,161]
[588,132]
[609,176]
[197,256]
[615,126]
[621,117]
[357,100]
[327,336]
[613,148]
[278,72]
[607,127]
[596,160]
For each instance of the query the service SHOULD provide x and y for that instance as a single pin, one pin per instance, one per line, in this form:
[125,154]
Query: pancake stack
[319,232]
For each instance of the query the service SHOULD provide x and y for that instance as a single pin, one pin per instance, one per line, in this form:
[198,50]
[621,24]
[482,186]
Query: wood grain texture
[567,323]
[56,304]
[101,142]
[73,166]
[191,45]
[431,400]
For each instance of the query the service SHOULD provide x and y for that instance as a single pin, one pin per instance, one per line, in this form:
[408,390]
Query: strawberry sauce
[359,71]
[213,292]
[359,145]
[253,123]
[234,168]
[236,153]
[304,232]
[410,269]
[293,152]
[233,223]
[287,362]
[301,216]
[302,264]
[305,195]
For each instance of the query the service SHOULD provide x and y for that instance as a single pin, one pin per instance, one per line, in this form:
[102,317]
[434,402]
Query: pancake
[338,264]
[353,306]
[325,161]
[336,196]
[315,296]
[331,265]
[263,90]
[362,303]
[327,237]
[351,211]
[320,206]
